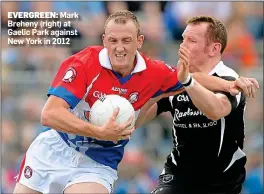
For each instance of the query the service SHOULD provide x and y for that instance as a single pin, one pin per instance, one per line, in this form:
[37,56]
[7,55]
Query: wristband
[191,84]
[187,79]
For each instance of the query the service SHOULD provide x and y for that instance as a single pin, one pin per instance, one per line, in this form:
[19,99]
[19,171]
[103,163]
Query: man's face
[122,42]
[194,38]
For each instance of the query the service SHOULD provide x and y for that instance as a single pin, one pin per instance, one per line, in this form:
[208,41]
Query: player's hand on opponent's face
[112,131]
[248,86]
[183,63]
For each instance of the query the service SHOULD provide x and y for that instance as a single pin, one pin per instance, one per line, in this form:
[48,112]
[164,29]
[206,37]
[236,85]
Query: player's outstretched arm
[246,85]
[213,83]
[214,106]
[55,115]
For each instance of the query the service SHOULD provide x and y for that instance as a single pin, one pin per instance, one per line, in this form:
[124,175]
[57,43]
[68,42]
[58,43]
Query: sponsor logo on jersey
[120,90]
[133,97]
[70,75]
[28,172]
[190,112]
[182,98]
[99,95]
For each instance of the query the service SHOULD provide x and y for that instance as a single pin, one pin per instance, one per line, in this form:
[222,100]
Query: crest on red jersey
[69,75]
[133,97]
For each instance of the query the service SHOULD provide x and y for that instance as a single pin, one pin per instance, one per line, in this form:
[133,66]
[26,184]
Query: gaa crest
[133,97]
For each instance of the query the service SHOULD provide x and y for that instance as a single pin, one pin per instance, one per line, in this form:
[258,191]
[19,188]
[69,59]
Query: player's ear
[216,49]
[140,41]
[103,39]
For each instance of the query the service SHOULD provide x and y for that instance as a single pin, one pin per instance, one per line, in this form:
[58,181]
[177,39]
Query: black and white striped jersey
[201,143]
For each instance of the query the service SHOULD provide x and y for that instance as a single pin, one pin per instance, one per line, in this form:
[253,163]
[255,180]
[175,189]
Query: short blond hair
[121,17]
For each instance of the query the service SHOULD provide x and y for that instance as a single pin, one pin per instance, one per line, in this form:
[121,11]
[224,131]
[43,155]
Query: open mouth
[120,56]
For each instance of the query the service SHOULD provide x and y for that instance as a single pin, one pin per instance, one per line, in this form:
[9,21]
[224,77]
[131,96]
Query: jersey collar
[216,68]
[105,62]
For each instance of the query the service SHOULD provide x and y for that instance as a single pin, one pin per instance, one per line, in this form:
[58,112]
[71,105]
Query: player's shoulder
[157,65]
[222,70]
[87,56]
[88,53]
[152,62]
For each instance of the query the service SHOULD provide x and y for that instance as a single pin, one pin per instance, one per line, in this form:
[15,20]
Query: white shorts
[50,166]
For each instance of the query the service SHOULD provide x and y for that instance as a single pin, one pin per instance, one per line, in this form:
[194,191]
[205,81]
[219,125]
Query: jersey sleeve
[169,80]
[163,105]
[70,81]
[234,100]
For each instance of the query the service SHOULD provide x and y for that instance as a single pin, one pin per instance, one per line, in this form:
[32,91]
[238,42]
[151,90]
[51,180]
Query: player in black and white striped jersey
[208,128]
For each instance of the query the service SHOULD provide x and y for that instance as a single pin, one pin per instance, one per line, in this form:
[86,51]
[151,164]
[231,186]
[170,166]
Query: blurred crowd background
[27,72]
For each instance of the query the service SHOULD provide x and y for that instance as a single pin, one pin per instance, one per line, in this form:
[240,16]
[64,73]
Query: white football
[104,107]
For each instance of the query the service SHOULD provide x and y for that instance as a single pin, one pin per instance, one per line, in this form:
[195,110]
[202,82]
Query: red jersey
[84,77]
